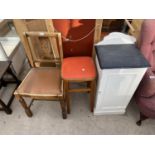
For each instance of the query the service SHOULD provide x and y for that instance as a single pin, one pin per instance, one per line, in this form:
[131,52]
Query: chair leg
[67,99]
[5,107]
[142,118]
[63,108]
[26,108]
[92,95]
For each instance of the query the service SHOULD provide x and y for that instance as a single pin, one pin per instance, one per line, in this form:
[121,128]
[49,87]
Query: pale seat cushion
[44,81]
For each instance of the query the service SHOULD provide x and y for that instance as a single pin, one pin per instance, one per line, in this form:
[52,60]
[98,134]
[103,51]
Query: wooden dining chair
[78,65]
[43,82]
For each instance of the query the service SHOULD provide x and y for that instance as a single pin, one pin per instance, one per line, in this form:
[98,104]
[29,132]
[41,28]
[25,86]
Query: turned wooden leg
[142,118]
[26,108]
[67,100]
[63,108]
[92,95]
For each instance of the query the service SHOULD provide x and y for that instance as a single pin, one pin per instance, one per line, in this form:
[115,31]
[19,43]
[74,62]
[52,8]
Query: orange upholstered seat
[78,68]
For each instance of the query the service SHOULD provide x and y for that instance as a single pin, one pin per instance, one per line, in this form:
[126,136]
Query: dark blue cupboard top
[120,56]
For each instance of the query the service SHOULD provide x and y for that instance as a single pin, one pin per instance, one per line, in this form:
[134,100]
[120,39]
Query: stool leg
[92,94]
[5,107]
[26,108]
[142,118]
[67,99]
[88,84]
[63,108]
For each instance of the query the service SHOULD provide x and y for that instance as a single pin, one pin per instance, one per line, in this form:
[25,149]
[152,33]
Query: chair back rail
[44,47]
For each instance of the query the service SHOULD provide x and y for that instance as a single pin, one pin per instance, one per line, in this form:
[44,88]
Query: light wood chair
[80,68]
[43,82]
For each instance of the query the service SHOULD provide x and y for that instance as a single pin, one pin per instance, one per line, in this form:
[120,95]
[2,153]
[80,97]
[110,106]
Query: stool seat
[78,68]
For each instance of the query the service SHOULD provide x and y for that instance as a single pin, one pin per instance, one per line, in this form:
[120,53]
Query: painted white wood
[117,38]
[115,88]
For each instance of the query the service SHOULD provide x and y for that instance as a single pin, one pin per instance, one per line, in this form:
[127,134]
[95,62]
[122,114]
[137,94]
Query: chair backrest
[78,35]
[45,49]
[147,41]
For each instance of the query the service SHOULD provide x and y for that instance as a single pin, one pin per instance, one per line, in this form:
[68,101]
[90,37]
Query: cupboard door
[117,88]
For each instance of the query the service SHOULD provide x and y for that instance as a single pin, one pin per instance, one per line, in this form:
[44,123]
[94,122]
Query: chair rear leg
[67,99]
[63,108]
[92,94]
[142,118]
[26,108]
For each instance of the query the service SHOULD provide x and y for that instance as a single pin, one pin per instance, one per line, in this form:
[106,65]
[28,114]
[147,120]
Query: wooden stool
[79,69]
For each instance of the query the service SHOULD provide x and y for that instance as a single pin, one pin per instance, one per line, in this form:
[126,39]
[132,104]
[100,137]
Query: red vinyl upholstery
[77,54]
[75,29]
[78,68]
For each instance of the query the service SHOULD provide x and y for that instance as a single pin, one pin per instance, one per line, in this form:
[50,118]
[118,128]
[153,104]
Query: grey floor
[47,119]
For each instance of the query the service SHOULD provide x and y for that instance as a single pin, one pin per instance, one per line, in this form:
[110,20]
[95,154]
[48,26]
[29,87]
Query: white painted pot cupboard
[120,67]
